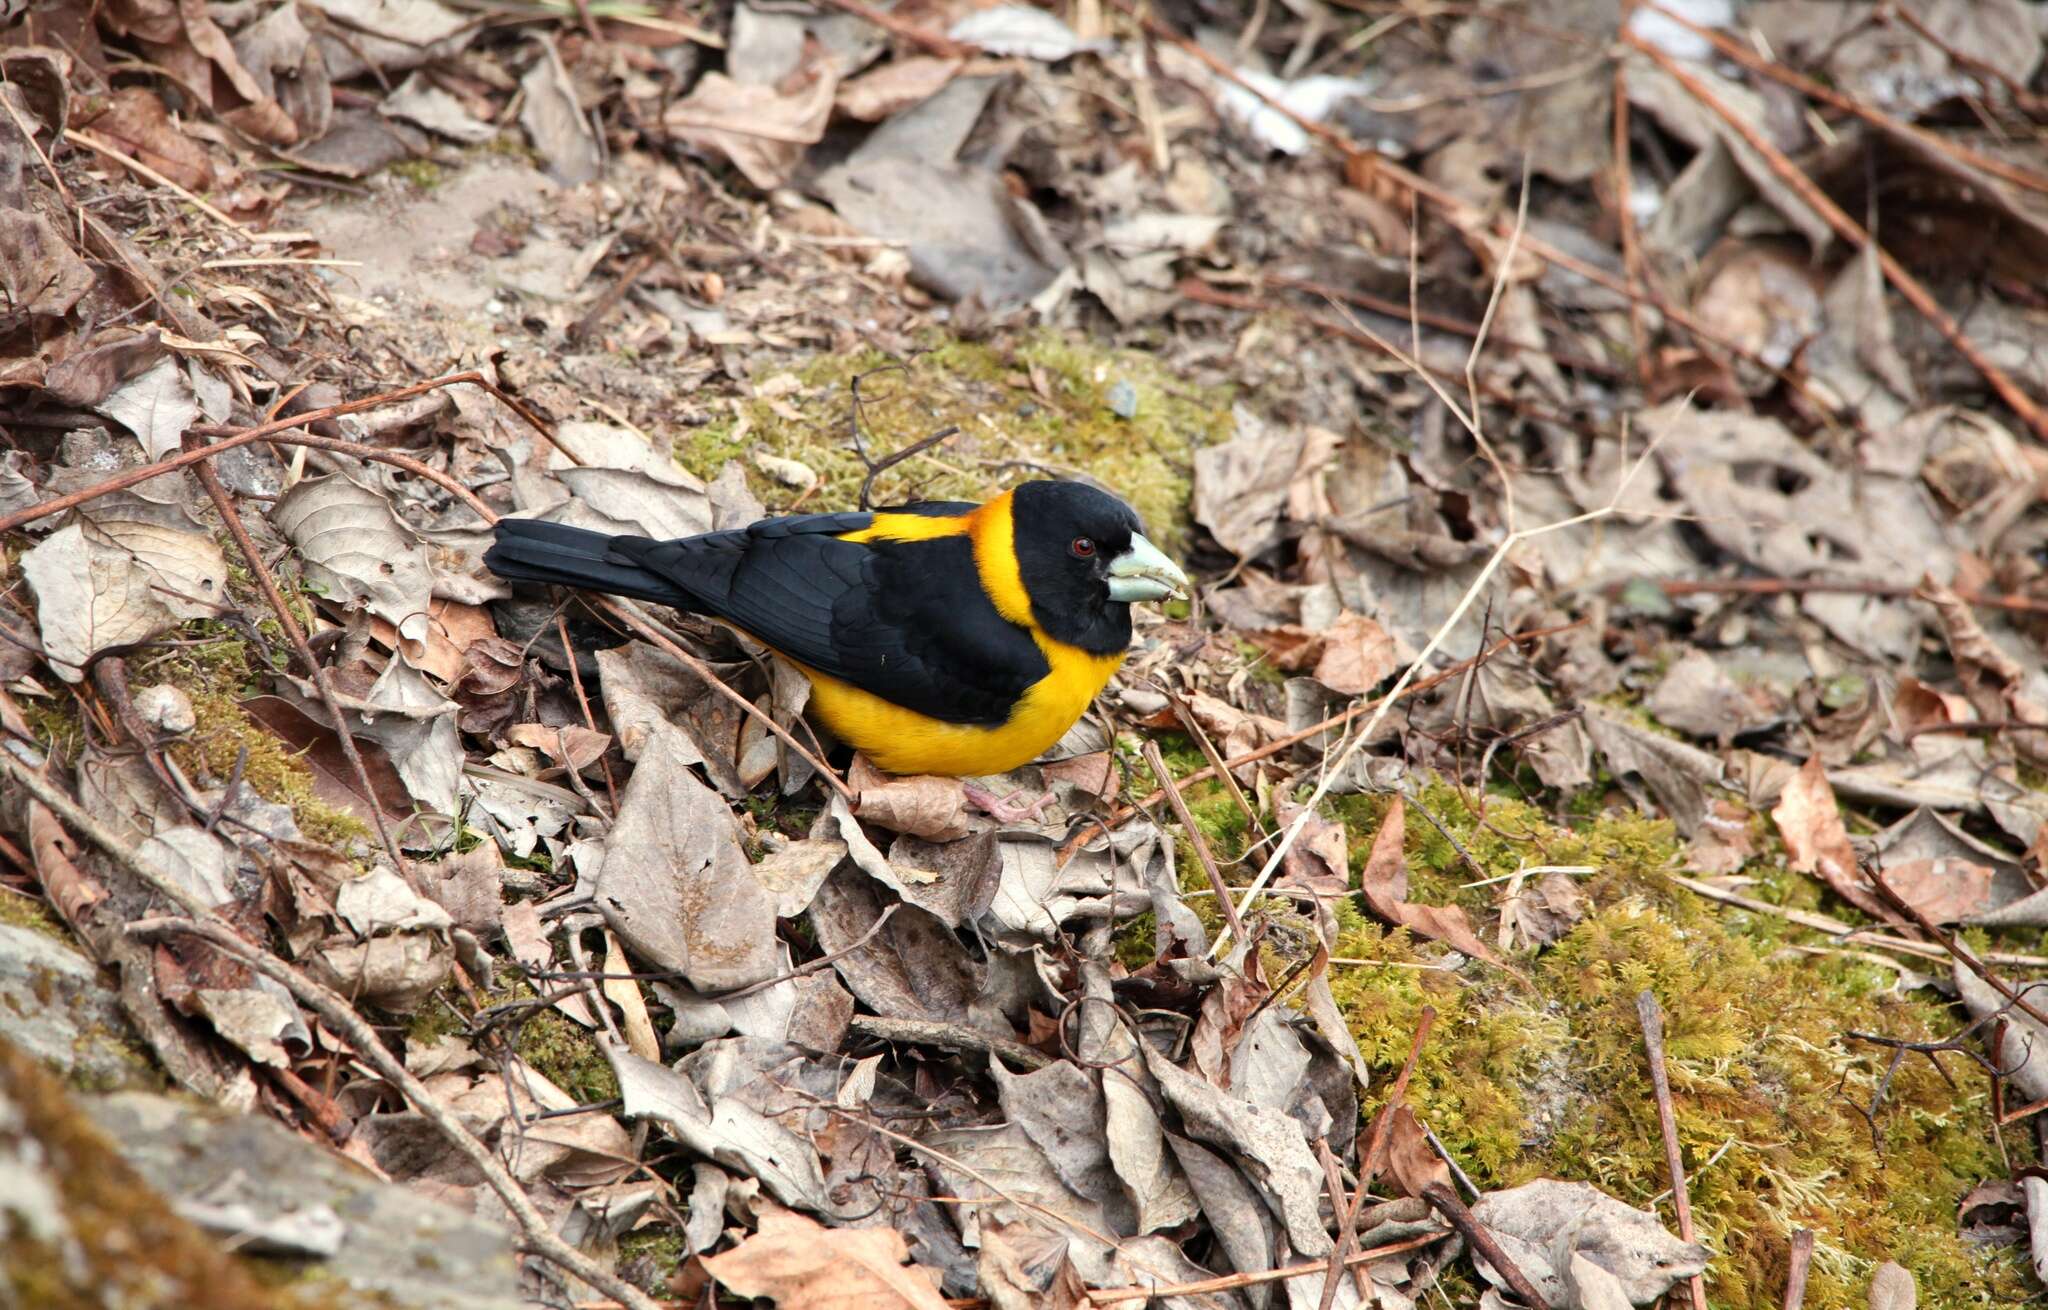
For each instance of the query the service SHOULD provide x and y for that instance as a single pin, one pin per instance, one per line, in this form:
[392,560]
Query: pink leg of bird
[1006,809]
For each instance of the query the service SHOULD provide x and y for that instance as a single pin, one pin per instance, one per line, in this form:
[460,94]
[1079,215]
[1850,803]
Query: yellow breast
[904,741]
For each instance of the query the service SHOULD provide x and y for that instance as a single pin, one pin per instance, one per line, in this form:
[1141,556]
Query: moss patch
[1549,1078]
[218,675]
[1036,406]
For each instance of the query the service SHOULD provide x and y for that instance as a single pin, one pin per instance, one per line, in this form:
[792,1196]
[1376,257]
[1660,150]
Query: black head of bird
[1084,560]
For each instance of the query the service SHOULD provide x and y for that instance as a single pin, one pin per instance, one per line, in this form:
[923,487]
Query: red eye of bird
[1082,548]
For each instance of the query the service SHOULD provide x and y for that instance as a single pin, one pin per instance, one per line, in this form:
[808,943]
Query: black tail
[530,550]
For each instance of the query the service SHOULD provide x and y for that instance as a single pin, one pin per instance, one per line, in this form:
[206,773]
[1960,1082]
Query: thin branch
[1484,1247]
[1667,1121]
[1157,762]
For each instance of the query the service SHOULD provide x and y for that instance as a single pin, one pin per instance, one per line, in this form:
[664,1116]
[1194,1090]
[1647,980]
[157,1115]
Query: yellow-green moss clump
[217,676]
[1550,1079]
[1542,1072]
[1040,406]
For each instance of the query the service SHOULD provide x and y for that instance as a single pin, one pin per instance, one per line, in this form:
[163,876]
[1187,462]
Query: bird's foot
[1006,809]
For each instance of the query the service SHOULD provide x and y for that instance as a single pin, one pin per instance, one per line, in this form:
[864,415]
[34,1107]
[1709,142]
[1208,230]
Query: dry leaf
[1946,890]
[1811,823]
[356,547]
[802,1265]
[1410,1159]
[760,129]
[90,597]
[1358,654]
[930,807]
[568,746]
[1384,883]
[889,89]
[623,992]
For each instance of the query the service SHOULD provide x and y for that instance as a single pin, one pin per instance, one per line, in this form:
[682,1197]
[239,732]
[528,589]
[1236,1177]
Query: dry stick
[1801,1259]
[1842,586]
[2028,102]
[1955,948]
[1230,1282]
[1845,932]
[945,47]
[1195,837]
[1852,232]
[314,669]
[270,428]
[337,1014]
[952,1036]
[1667,1120]
[1877,118]
[1484,1246]
[1220,767]
[1369,1161]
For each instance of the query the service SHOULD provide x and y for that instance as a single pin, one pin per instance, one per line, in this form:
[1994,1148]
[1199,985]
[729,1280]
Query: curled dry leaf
[802,1265]
[929,807]
[569,746]
[354,546]
[1996,683]
[762,129]
[157,405]
[1384,883]
[1811,824]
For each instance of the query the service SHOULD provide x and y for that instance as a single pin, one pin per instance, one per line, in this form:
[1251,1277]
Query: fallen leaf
[1358,655]
[1384,883]
[1811,824]
[762,129]
[1945,890]
[569,746]
[135,121]
[675,882]
[929,807]
[355,546]
[1891,1288]
[885,92]
[1542,1223]
[1410,1160]
[90,597]
[555,122]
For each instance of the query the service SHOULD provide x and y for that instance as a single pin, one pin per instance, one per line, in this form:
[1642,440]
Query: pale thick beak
[1145,573]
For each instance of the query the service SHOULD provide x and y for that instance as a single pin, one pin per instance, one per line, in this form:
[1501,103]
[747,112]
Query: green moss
[560,1050]
[423,174]
[21,910]
[661,1248]
[1035,406]
[1549,1078]
[217,676]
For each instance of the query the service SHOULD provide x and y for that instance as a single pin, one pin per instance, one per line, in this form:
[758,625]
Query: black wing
[907,621]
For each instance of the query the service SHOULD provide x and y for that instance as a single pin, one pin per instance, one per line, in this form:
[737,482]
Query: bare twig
[1845,932]
[1956,949]
[184,459]
[1853,233]
[1369,1159]
[1801,1259]
[1157,762]
[1877,118]
[1660,1083]
[1447,1204]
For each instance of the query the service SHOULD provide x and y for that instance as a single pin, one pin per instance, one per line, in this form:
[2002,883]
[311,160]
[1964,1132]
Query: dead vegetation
[1585,848]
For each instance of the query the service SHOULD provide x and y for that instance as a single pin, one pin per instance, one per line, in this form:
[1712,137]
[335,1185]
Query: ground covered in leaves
[1583,846]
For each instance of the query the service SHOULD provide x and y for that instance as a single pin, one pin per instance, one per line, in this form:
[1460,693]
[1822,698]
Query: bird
[939,637]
